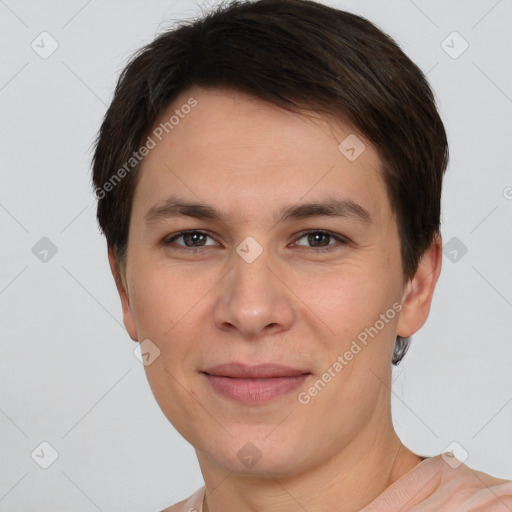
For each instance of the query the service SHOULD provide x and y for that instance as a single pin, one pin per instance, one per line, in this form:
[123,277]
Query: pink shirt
[437,484]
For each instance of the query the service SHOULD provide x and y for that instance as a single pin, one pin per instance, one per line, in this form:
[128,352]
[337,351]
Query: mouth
[254,384]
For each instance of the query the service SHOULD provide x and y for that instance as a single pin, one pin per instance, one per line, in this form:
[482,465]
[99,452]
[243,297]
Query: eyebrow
[331,207]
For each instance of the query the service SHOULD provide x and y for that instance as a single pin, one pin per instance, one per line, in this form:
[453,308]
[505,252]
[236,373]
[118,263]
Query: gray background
[67,369]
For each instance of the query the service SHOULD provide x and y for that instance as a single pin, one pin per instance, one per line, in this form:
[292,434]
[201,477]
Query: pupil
[193,237]
[314,237]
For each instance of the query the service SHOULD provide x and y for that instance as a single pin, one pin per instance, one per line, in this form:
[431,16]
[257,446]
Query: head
[308,130]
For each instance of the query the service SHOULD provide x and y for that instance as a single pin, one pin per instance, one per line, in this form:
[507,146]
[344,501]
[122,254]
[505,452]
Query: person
[269,179]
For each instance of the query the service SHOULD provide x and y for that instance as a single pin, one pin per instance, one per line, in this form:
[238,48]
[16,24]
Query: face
[291,257]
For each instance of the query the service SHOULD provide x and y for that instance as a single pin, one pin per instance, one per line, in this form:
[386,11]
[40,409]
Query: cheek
[165,314]
[347,299]
[169,310]
[160,297]
[150,304]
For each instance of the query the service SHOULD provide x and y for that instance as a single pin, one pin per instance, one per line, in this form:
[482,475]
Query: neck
[346,482]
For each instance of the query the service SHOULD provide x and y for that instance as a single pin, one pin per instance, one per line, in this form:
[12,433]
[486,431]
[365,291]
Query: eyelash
[340,239]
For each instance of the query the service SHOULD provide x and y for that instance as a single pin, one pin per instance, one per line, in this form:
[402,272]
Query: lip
[254,384]
[260,371]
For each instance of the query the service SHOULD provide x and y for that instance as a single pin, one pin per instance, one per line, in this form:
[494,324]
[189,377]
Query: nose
[253,299]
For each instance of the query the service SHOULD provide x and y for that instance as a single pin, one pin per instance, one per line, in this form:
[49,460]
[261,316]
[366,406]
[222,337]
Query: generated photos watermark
[304,397]
[137,156]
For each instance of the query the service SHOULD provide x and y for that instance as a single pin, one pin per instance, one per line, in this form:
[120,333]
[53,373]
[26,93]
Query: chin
[258,454]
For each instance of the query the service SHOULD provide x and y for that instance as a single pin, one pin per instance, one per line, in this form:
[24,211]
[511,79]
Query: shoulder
[444,484]
[193,503]
[472,489]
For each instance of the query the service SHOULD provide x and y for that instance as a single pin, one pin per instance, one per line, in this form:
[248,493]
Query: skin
[292,305]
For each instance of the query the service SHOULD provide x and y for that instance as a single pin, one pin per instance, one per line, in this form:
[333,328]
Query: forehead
[247,154]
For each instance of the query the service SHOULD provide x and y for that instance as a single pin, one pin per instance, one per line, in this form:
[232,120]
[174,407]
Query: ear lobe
[119,274]
[418,292]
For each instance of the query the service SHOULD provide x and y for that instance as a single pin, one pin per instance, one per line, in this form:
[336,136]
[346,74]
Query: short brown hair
[300,55]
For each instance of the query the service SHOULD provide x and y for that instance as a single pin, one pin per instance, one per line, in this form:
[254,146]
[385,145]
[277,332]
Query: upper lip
[261,371]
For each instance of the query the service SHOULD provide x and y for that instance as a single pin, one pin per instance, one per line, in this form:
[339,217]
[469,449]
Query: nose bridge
[252,297]
[250,278]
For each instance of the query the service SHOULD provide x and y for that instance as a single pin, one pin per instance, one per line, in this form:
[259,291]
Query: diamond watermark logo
[454,455]
[454,45]
[44,250]
[249,249]
[44,455]
[146,352]
[249,454]
[455,249]
[351,147]
[44,45]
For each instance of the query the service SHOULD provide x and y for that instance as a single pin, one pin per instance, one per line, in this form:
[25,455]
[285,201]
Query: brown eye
[321,239]
[192,239]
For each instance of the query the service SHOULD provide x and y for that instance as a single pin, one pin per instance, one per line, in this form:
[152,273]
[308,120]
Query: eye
[320,240]
[196,240]
[192,239]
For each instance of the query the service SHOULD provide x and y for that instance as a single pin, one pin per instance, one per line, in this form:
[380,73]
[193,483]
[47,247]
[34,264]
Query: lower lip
[251,391]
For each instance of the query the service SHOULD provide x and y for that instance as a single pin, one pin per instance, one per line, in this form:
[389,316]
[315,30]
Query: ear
[419,291]
[119,273]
